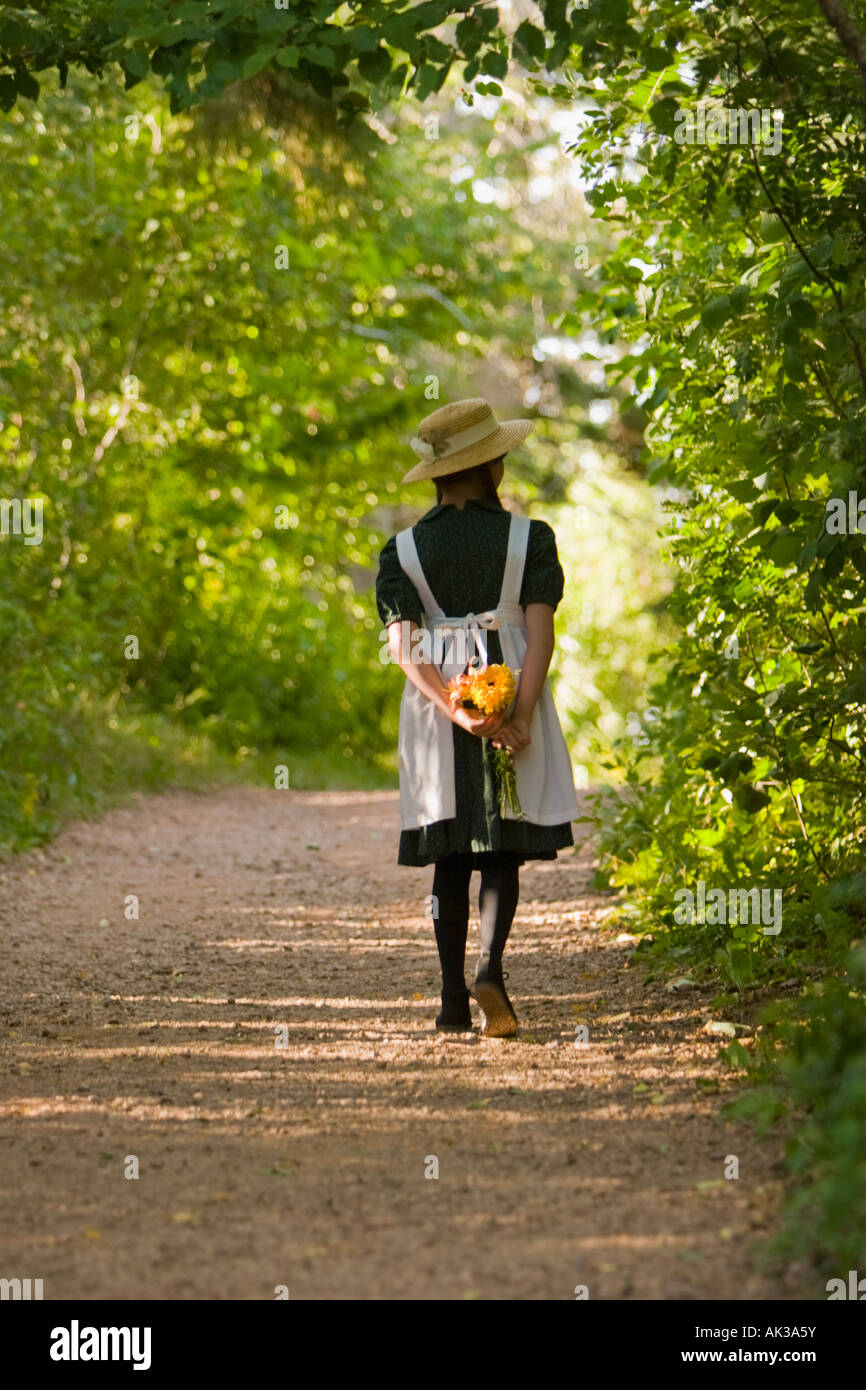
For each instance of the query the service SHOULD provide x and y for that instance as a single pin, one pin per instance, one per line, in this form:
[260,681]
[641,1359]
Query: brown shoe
[500,1020]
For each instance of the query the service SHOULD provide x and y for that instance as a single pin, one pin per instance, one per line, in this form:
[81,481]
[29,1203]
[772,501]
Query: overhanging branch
[849,35]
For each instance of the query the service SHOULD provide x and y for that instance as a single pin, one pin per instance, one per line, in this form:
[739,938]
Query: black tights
[497,903]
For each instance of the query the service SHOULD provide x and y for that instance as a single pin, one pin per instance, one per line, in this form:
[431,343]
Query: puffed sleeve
[543,579]
[396,596]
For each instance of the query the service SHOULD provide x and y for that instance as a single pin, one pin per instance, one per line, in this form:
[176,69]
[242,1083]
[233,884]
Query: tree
[220,331]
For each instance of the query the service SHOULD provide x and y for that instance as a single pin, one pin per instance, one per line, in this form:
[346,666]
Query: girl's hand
[515,734]
[482,725]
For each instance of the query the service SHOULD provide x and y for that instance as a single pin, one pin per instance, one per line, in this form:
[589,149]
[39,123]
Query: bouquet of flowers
[490,690]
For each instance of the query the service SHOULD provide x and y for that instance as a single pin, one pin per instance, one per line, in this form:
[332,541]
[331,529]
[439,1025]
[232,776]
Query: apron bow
[474,624]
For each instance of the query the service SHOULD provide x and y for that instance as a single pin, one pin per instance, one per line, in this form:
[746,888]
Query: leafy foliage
[740,277]
[219,332]
[722,149]
[354,55]
[812,1062]
[740,272]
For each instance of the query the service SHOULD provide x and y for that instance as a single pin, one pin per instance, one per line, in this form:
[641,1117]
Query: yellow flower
[493,689]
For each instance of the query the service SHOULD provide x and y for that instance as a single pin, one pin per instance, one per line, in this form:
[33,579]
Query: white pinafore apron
[545,784]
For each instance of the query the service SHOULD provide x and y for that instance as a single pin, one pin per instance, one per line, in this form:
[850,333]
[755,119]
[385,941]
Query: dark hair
[480,471]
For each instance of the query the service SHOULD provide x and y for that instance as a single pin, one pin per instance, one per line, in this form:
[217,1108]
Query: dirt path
[304,1166]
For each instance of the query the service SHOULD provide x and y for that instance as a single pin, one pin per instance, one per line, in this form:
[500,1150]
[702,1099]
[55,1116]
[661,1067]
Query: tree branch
[849,35]
[819,275]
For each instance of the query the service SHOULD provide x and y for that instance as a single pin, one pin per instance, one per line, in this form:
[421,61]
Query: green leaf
[803,313]
[763,510]
[784,549]
[743,489]
[375,66]
[530,39]
[362,38]
[429,79]
[733,765]
[663,115]
[716,312]
[258,60]
[321,54]
[137,62]
[750,799]
[8,92]
[656,59]
[26,84]
[494,64]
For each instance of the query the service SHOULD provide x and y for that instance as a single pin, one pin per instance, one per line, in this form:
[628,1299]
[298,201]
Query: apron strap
[515,560]
[407,554]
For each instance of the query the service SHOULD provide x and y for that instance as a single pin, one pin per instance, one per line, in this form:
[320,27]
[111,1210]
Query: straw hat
[461,435]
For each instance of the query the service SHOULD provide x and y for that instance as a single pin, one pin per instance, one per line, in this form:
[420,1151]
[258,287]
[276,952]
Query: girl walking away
[484,584]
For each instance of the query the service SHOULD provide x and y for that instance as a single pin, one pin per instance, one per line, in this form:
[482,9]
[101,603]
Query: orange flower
[493,689]
[490,689]
[461,688]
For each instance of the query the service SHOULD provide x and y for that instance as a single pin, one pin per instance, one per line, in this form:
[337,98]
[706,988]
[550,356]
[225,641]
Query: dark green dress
[462,554]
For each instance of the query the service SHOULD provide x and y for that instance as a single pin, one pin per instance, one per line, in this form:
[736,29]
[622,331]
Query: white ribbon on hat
[422,449]
[462,440]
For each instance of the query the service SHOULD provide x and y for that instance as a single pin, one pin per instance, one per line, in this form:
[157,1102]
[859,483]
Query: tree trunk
[849,35]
